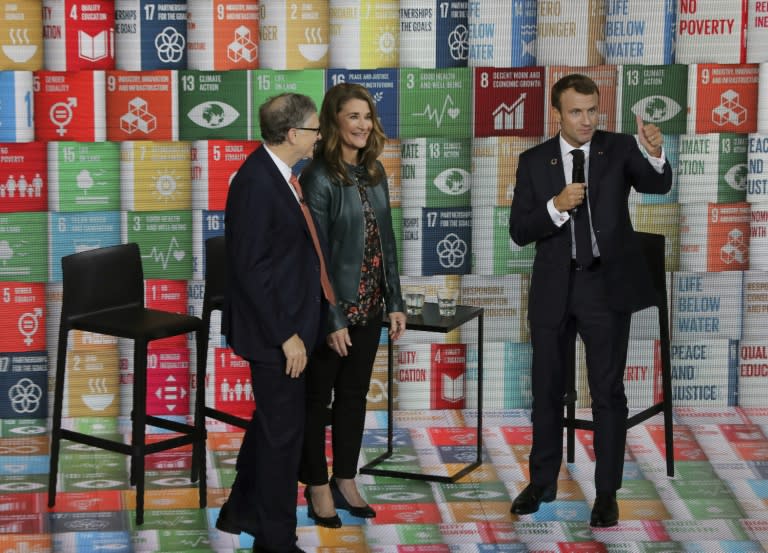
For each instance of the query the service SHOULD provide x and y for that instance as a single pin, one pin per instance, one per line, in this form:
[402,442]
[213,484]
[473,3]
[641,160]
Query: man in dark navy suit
[589,275]
[274,316]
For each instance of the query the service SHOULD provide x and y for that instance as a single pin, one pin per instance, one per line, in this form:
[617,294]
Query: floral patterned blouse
[369,291]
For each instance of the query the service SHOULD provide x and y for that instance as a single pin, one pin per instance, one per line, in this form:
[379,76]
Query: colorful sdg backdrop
[124,122]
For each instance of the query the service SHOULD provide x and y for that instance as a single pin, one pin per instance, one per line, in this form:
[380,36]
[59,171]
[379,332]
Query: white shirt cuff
[557,217]
[657,162]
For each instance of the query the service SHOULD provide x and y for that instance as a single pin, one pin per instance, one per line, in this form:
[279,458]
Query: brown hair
[329,147]
[580,83]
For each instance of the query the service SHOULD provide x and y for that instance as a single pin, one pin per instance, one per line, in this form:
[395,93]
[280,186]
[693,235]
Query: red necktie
[324,280]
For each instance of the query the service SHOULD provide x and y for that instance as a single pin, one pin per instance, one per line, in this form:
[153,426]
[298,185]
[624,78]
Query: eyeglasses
[316,130]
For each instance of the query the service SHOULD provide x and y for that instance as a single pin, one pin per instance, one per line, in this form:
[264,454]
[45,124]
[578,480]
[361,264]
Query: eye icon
[213,115]
[655,109]
[736,177]
[453,181]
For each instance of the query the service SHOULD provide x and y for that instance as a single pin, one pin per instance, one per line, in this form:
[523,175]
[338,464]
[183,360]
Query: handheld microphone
[577,174]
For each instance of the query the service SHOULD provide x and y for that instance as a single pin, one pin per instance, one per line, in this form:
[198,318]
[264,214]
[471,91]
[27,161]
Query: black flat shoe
[326,522]
[605,512]
[341,503]
[532,497]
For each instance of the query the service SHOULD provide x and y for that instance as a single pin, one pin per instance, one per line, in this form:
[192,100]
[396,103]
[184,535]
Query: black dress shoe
[366,511]
[259,549]
[226,522]
[605,511]
[531,498]
[327,522]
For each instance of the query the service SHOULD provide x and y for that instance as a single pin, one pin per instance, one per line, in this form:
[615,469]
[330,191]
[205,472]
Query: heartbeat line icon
[174,251]
[433,114]
[176,522]
[200,540]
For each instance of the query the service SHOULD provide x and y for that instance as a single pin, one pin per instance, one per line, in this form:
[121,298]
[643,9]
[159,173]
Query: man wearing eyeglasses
[274,316]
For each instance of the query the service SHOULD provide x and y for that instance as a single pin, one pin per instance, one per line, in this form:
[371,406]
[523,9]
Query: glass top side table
[431,321]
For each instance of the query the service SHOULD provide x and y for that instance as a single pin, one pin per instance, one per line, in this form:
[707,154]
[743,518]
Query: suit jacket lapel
[282,191]
[597,161]
[554,164]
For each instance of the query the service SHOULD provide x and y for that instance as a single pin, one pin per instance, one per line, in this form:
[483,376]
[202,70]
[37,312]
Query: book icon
[453,388]
[96,47]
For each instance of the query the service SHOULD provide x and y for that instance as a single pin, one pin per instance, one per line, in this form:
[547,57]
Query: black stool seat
[103,292]
[136,322]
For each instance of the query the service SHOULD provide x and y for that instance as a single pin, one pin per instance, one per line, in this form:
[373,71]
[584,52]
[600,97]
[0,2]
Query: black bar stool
[653,249]
[103,292]
[213,300]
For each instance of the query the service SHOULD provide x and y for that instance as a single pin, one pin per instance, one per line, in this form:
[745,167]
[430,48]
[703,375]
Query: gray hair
[279,114]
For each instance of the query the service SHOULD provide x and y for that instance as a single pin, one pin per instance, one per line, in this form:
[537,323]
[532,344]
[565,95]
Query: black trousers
[605,334]
[263,496]
[345,381]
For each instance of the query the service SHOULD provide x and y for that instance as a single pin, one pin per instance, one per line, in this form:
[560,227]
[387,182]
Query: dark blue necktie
[581,215]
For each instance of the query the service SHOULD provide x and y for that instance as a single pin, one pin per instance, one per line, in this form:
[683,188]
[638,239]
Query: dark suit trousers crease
[605,334]
[346,380]
[265,489]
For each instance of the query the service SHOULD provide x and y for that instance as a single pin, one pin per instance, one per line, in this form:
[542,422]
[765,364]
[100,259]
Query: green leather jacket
[338,213]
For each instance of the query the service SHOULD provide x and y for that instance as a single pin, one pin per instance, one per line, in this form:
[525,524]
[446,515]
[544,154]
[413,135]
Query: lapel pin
[553,161]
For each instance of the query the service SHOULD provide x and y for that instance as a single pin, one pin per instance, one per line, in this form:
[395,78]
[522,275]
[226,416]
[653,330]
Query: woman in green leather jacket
[346,189]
